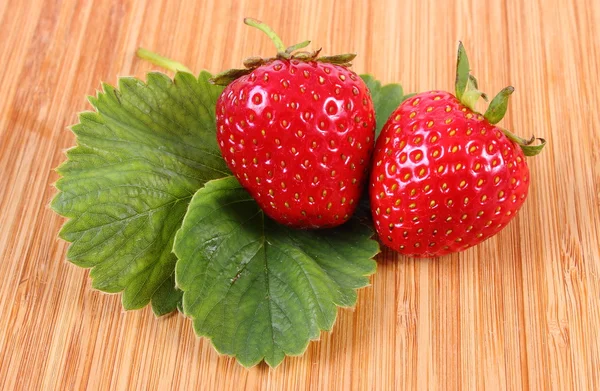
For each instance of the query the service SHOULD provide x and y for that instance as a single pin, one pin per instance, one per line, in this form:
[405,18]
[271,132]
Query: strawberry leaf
[385,98]
[260,290]
[125,187]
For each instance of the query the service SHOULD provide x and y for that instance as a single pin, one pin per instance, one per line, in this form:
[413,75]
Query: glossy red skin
[299,137]
[437,213]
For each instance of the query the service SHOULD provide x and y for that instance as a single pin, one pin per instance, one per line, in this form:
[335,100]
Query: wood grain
[521,311]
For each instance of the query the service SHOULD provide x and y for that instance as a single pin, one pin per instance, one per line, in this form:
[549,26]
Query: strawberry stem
[267,30]
[161,61]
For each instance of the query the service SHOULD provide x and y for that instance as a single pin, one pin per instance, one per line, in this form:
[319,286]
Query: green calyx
[283,53]
[468,93]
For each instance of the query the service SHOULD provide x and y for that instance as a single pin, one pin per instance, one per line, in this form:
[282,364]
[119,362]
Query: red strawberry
[445,178]
[298,133]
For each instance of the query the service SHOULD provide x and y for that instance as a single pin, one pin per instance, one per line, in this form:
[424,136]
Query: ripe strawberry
[298,132]
[445,178]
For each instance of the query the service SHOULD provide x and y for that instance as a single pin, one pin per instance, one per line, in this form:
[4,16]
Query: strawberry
[298,132]
[445,177]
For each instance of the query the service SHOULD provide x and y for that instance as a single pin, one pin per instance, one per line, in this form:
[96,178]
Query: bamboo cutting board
[521,311]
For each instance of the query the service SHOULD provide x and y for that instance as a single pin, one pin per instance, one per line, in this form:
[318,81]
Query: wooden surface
[521,311]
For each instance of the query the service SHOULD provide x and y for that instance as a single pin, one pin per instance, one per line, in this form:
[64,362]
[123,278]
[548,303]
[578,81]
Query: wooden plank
[521,311]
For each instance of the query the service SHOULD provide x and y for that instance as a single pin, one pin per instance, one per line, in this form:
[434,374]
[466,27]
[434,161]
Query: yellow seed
[271,192]
[440,168]
[287,205]
[472,149]
[463,217]
[477,166]
[466,200]
[343,200]
[426,188]
[501,194]
[324,193]
[429,109]
[433,139]
[450,202]
[448,232]
[444,186]
[483,198]
[449,218]
[480,213]
[412,205]
[393,168]
[388,211]
[297,196]
[435,153]
[447,121]
[406,176]
[497,179]
[452,132]
[311,199]
[422,172]
[432,217]
[397,117]
[480,182]
[448,109]
[413,192]
[398,202]
[429,124]
[458,166]
[413,114]
[394,186]
[329,206]
[462,183]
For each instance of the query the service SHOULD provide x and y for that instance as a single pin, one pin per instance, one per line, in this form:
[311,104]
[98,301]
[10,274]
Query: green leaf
[126,186]
[386,99]
[462,71]
[260,290]
[497,108]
